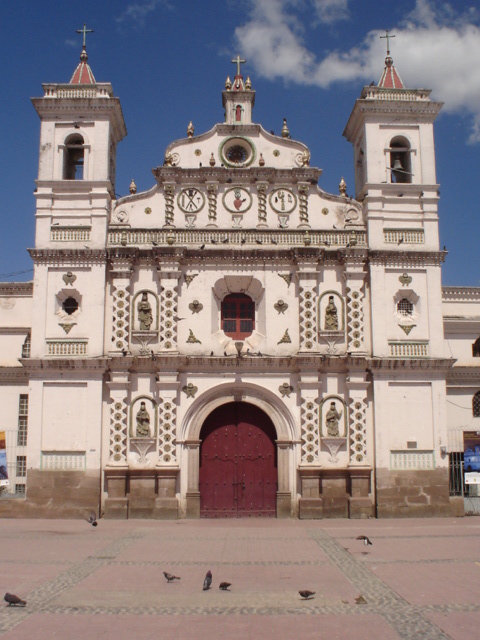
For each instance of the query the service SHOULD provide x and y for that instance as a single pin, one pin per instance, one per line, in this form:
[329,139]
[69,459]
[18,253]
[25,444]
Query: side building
[236,341]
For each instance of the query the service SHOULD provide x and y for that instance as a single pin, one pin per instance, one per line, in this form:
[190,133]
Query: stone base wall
[55,494]
[141,493]
[335,493]
[414,494]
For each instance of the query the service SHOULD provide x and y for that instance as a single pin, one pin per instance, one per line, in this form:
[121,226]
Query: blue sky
[308,60]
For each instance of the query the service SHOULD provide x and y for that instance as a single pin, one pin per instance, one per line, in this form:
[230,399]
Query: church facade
[236,341]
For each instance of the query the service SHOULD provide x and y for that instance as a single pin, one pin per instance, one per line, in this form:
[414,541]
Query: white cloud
[329,11]
[435,48]
[137,12]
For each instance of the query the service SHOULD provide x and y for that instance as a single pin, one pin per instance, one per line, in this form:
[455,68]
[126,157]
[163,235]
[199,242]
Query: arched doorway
[238,463]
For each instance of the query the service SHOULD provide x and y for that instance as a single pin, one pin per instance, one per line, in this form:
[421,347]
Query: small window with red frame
[238,316]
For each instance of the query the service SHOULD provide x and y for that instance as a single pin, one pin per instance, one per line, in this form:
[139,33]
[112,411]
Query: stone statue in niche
[331,315]
[144,310]
[331,421]
[143,422]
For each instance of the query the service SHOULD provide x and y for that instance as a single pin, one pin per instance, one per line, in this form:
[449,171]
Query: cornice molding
[13,375]
[68,257]
[461,294]
[17,289]
[407,259]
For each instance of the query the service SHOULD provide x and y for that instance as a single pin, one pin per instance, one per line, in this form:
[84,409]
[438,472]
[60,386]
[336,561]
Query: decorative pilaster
[262,204]
[168,276]
[169,197]
[212,190]
[307,301]
[121,272]
[167,386]
[303,204]
[118,431]
[309,430]
[357,419]
[354,279]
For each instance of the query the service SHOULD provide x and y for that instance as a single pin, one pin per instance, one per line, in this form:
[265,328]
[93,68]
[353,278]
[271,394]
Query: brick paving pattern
[420,579]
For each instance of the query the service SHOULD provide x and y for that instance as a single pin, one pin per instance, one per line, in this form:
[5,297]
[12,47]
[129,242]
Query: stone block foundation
[414,494]
[141,493]
[335,493]
[55,494]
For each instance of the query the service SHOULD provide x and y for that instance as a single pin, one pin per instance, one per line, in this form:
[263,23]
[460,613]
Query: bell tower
[391,129]
[238,97]
[81,125]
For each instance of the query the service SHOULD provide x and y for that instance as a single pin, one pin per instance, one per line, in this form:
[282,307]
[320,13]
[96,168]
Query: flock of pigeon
[207,583]
[14,601]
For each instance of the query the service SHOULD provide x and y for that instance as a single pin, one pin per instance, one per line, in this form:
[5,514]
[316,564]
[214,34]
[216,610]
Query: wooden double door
[238,463]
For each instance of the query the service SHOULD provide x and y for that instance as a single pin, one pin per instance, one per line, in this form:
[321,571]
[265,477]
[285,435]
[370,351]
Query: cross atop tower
[387,36]
[238,61]
[84,31]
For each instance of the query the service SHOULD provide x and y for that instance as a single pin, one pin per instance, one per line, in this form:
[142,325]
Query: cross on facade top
[387,36]
[84,31]
[238,61]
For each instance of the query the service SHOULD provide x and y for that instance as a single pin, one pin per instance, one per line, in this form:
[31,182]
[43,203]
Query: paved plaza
[419,579]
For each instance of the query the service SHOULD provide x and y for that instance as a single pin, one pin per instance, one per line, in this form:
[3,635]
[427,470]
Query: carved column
[354,276]
[169,206]
[167,386]
[284,494]
[116,471]
[303,188]
[121,270]
[310,503]
[168,275]
[361,503]
[309,387]
[262,204]
[212,190]
[193,489]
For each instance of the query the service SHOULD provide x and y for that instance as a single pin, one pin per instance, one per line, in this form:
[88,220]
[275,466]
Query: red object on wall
[238,466]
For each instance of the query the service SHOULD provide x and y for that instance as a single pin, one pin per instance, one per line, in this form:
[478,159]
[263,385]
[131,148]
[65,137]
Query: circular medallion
[237,200]
[283,200]
[190,200]
[121,217]
[237,152]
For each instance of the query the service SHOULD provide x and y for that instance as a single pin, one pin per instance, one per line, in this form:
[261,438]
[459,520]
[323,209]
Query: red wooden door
[238,468]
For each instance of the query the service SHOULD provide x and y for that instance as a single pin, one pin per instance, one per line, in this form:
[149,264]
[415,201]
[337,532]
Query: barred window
[22,420]
[476,405]
[476,348]
[238,315]
[21,470]
[405,307]
[26,347]
[20,489]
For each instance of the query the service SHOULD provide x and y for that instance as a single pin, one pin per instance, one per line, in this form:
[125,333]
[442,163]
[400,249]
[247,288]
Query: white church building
[235,341]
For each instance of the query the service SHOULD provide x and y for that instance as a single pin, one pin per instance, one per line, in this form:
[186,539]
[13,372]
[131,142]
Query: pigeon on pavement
[224,585]
[306,594]
[170,577]
[14,600]
[92,519]
[366,541]
[208,581]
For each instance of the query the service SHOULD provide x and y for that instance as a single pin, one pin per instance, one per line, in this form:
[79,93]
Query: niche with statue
[331,313]
[143,427]
[333,426]
[145,320]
